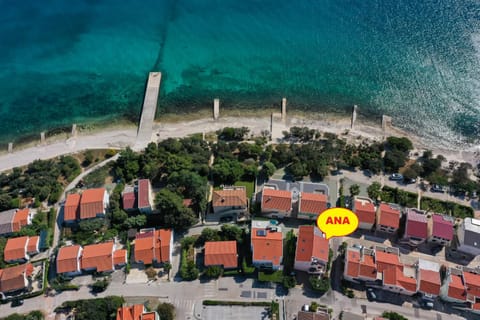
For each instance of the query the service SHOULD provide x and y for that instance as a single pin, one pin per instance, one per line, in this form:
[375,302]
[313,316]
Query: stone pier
[216,108]
[386,123]
[284,109]
[74,130]
[10,147]
[42,138]
[354,117]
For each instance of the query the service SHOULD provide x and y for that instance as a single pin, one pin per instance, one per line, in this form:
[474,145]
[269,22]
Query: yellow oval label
[337,222]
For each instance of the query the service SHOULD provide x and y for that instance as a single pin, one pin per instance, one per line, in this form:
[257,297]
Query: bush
[319,284]
[393,315]
[166,311]
[214,272]
[100,308]
[276,276]
[100,285]
[289,282]
[151,273]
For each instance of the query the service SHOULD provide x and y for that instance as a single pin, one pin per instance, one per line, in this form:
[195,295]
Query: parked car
[409,181]
[426,304]
[396,177]
[437,188]
[16,303]
[371,294]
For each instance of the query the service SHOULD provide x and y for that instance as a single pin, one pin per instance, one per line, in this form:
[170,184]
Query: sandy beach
[121,136]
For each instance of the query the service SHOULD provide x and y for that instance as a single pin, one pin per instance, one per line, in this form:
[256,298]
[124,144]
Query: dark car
[396,177]
[371,294]
[437,188]
[16,303]
[409,181]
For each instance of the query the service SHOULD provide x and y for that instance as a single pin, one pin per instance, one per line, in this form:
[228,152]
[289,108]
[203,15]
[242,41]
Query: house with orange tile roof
[21,249]
[93,203]
[386,258]
[68,260]
[153,246]
[129,199]
[266,245]
[231,201]
[428,276]
[145,196]
[14,220]
[221,253]
[98,257]
[453,288]
[360,265]
[472,284]
[136,312]
[15,279]
[312,250]
[388,218]
[310,205]
[71,208]
[276,203]
[366,213]
[399,280]
[120,257]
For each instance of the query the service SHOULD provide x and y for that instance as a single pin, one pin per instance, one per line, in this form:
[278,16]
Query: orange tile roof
[311,244]
[388,216]
[229,198]
[430,282]
[456,288]
[143,193]
[268,247]
[13,278]
[386,260]
[32,246]
[15,249]
[312,203]
[71,207]
[353,263]
[67,259]
[368,268]
[130,313]
[472,282]
[98,256]
[91,203]
[276,200]
[394,276]
[221,253]
[149,316]
[365,211]
[153,246]
[20,219]
[120,257]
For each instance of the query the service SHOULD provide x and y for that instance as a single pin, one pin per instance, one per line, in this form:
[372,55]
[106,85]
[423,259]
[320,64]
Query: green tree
[166,311]
[393,316]
[402,144]
[173,214]
[127,165]
[5,201]
[289,281]
[135,221]
[167,266]
[354,190]
[226,171]
[208,234]
[297,169]
[319,284]
[374,190]
[268,169]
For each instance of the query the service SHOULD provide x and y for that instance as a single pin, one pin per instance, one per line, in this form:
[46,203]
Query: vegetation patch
[102,308]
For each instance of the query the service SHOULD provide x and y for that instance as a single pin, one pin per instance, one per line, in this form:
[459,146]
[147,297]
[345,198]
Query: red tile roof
[15,249]
[416,225]
[276,200]
[456,288]
[311,244]
[368,268]
[353,263]
[20,219]
[442,228]
[388,216]
[365,211]
[153,246]
[187,202]
[98,256]
[472,282]
[67,259]
[149,316]
[71,207]
[307,315]
[130,313]
[13,278]
[268,247]
[229,198]
[120,257]
[32,246]
[394,276]
[386,260]
[128,200]
[312,203]
[91,203]
[221,253]
[143,193]
[430,282]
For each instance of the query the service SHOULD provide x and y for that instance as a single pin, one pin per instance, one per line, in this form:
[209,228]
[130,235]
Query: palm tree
[167,266]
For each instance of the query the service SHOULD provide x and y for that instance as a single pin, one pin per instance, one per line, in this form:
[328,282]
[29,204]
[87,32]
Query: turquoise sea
[86,61]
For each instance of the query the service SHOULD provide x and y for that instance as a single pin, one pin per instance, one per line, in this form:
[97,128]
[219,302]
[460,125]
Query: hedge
[236,303]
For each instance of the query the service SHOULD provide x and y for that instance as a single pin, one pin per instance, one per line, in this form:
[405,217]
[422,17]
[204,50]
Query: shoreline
[122,133]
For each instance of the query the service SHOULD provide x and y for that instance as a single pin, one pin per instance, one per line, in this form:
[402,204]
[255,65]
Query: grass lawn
[276,276]
[249,186]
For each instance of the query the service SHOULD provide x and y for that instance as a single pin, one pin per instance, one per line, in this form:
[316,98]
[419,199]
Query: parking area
[234,313]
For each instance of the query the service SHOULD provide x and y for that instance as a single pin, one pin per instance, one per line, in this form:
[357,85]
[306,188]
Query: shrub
[151,273]
[319,284]
[214,272]
[166,311]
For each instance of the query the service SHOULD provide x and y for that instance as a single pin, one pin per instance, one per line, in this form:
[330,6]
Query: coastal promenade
[145,128]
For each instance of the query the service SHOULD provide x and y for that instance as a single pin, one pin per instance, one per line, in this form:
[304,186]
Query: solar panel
[261,233]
